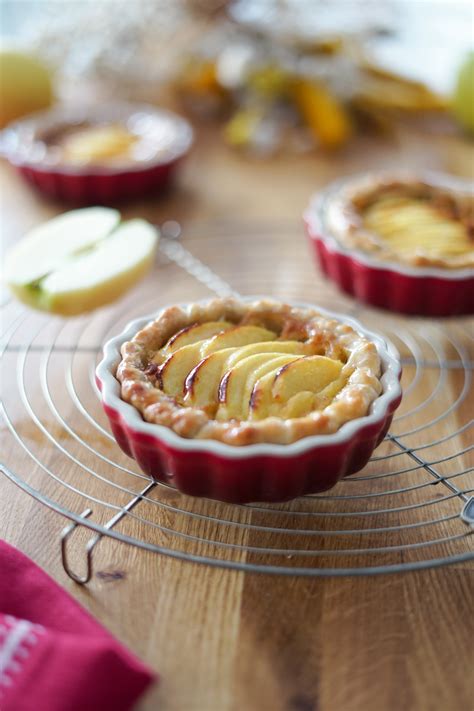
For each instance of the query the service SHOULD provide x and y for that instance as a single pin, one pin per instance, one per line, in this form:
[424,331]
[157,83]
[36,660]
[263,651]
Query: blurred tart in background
[412,221]
[398,242]
[98,154]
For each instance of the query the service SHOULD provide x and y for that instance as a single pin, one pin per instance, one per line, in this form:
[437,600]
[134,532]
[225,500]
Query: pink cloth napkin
[53,655]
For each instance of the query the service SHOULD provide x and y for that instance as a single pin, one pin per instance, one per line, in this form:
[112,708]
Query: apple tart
[413,221]
[98,154]
[249,372]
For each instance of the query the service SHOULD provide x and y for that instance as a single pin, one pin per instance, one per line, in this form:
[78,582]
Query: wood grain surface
[226,640]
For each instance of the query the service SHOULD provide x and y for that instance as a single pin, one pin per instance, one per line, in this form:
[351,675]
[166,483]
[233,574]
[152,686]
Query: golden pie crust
[140,382]
[406,220]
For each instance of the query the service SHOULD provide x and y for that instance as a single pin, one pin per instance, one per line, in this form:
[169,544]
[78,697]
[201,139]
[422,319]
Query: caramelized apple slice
[202,383]
[311,373]
[177,366]
[237,336]
[193,333]
[266,347]
[237,384]
[261,401]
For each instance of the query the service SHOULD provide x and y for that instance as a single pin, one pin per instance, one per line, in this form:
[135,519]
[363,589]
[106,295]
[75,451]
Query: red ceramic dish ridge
[257,472]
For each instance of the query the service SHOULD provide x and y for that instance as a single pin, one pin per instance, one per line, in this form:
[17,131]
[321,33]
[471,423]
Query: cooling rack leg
[81,579]
[467,514]
[65,535]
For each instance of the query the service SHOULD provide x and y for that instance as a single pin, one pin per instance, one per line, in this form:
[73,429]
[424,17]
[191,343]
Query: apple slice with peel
[305,376]
[266,347]
[177,366]
[238,383]
[101,275]
[46,247]
[80,261]
[311,373]
[237,336]
[260,398]
[278,362]
[193,333]
[202,383]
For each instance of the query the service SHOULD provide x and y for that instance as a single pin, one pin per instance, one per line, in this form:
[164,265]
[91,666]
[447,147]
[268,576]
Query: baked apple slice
[238,336]
[237,384]
[311,373]
[202,383]
[299,405]
[327,394]
[176,368]
[267,347]
[196,332]
[274,393]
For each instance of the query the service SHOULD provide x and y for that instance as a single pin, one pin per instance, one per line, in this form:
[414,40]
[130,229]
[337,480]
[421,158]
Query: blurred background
[273,75]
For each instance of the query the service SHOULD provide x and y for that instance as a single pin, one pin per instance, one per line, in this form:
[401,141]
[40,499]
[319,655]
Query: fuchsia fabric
[53,655]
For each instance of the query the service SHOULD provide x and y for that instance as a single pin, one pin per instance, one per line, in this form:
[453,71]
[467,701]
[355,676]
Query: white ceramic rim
[72,113]
[314,218]
[110,395]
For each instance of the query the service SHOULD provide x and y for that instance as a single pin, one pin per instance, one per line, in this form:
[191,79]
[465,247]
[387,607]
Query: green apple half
[80,260]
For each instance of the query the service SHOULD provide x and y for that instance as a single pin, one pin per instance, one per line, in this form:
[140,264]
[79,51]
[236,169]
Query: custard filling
[247,372]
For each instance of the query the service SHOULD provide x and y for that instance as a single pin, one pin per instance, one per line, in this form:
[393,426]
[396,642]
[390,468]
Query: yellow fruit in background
[463,99]
[25,85]
[325,116]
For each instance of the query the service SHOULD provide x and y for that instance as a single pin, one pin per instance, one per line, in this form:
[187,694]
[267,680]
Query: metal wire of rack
[412,507]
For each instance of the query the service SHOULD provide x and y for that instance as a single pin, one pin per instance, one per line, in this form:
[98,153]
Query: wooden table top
[227,640]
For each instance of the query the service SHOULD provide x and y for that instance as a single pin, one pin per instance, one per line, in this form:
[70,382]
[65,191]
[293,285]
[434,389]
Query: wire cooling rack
[411,507]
